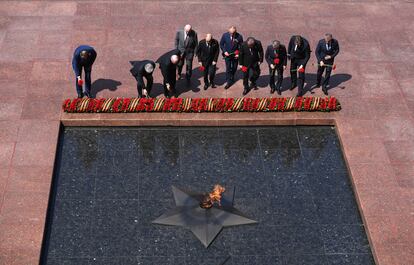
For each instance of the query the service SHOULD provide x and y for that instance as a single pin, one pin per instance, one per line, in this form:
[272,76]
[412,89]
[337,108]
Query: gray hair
[149,68]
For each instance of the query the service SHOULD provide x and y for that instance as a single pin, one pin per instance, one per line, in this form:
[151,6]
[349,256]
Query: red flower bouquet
[80,82]
[202,68]
[244,69]
[130,105]
[236,52]
[276,61]
[301,70]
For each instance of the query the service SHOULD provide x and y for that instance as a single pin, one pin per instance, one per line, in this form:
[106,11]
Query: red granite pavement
[373,81]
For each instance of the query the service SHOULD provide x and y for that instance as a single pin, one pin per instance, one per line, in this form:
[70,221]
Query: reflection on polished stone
[111,183]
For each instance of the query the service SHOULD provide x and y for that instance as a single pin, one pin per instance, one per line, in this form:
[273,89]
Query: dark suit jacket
[251,57]
[272,54]
[302,53]
[138,68]
[168,69]
[208,55]
[78,63]
[321,50]
[227,45]
[187,46]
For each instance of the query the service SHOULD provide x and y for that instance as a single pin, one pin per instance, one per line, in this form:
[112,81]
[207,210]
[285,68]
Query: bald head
[84,54]
[187,28]
[174,59]
[208,37]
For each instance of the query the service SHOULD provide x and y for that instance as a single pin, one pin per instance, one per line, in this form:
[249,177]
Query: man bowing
[168,65]
[83,58]
[141,70]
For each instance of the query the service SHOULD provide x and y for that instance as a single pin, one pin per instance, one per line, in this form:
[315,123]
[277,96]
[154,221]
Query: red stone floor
[376,124]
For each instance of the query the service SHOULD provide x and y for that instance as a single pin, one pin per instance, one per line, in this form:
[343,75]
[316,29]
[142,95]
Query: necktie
[328,47]
[296,47]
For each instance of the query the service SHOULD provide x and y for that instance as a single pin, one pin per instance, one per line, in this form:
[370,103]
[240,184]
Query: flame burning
[213,197]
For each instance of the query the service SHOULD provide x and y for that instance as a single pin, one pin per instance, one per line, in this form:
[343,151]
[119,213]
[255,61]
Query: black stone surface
[110,183]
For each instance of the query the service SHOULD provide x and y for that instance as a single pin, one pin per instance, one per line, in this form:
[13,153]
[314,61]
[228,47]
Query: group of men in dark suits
[237,53]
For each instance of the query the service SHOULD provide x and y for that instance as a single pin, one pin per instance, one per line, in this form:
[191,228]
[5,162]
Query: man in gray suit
[186,42]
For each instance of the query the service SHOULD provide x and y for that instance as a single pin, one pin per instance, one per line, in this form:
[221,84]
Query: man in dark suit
[83,57]
[186,42]
[250,58]
[276,57]
[141,70]
[207,53]
[168,64]
[299,54]
[230,44]
[326,51]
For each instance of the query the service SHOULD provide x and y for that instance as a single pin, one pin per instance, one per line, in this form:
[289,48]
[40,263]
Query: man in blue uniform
[325,52]
[230,45]
[83,57]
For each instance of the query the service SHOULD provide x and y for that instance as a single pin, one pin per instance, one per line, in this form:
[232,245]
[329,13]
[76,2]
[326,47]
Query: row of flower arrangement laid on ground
[124,105]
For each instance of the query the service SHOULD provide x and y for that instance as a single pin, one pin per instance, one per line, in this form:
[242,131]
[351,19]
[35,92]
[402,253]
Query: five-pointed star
[205,224]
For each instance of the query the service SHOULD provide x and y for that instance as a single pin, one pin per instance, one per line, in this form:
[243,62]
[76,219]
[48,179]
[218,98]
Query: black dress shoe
[205,86]
[245,91]
[279,92]
[213,85]
[227,86]
[299,94]
[325,90]
[272,90]
[292,86]
[80,95]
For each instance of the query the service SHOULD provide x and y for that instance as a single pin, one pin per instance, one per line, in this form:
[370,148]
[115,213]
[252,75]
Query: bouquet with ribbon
[80,82]
[202,68]
[244,69]
[276,61]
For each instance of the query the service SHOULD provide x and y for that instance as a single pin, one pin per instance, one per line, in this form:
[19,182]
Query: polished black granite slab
[110,183]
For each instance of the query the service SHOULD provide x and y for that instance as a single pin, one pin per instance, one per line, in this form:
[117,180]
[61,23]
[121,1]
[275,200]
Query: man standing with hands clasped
[276,57]
[230,44]
[325,52]
[299,54]
[207,53]
[250,58]
[83,57]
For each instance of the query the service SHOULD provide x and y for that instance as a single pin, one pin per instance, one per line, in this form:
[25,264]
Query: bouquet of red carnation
[202,68]
[244,69]
[80,82]
[276,61]
[301,70]
[236,52]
